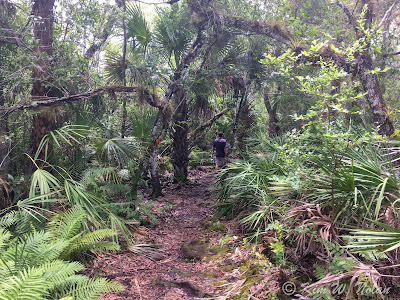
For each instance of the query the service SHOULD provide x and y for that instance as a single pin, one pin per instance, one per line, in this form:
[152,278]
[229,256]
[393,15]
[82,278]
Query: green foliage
[363,240]
[35,265]
[121,150]
[138,31]
[173,32]
[245,184]
[68,135]
[198,158]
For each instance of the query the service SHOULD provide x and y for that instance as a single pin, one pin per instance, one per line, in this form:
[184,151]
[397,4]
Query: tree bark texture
[193,135]
[43,122]
[5,146]
[44,101]
[179,137]
[153,159]
[374,97]
[273,129]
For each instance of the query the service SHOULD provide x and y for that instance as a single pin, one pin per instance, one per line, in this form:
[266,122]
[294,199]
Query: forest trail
[188,240]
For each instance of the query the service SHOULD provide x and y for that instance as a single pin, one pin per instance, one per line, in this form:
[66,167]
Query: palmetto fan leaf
[113,67]
[122,150]
[173,32]
[356,185]
[68,134]
[363,240]
[43,183]
[142,123]
[138,31]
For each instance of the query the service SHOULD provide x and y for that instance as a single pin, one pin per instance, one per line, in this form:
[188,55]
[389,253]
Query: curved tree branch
[49,101]
[193,134]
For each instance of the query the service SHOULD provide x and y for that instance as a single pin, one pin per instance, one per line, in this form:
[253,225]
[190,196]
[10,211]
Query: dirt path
[186,236]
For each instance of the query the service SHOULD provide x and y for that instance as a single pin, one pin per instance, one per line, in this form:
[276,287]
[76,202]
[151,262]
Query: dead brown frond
[145,96]
[357,277]
[311,217]
[234,289]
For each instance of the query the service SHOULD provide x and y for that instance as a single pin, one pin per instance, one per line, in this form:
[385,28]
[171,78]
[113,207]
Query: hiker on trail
[219,146]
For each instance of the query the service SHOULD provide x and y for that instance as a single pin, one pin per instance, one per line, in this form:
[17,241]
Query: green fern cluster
[36,265]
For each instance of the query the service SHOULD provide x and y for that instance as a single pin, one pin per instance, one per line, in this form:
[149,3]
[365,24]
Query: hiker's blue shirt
[219,145]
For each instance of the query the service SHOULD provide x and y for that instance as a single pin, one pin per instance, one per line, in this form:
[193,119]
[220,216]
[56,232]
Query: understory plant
[327,177]
[38,264]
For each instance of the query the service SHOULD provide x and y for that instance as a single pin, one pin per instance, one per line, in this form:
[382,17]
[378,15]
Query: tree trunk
[239,91]
[158,133]
[179,137]
[43,122]
[5,146]
[273,129]
[123,119]
[374,97]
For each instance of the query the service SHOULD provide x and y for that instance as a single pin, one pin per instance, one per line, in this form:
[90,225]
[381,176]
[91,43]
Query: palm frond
[138,31]
[121,150]
[363,240]
[173,32]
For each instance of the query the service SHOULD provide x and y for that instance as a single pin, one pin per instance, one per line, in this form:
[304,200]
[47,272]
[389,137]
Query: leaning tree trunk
[43,122]
[374,97]
[179,137]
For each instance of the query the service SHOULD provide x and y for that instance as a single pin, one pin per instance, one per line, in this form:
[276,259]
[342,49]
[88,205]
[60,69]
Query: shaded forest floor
[202,257]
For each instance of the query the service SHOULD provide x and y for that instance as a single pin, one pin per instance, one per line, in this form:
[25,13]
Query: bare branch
[158,3]
[276,31]
[387,14]
[193,134]
[48,101]
[391,54]
[351,18]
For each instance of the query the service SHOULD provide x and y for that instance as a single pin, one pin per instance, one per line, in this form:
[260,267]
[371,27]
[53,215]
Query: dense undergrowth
[325,207]
[53,222]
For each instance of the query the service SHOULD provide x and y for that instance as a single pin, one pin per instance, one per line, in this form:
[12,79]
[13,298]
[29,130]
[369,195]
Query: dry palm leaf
[356,274]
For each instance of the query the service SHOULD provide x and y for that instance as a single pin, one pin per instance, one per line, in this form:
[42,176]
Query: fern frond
[49,252]
[4,237]
[66,225]
[113,189]
[9,219]
[58,271]
[95,176]
[92,288]
[27,285]
[93,241]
